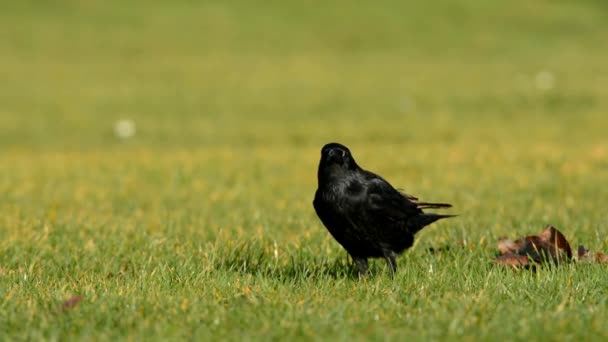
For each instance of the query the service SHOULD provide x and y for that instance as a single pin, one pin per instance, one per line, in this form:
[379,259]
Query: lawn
[200,226]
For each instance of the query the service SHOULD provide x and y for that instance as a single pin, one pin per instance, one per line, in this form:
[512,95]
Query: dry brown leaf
[508,246]
[549,245]
[560,248]
[584,255]
[601,258]
[71,303]
[514,260]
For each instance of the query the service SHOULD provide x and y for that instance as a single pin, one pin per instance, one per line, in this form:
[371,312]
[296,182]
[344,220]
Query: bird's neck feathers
[336,173]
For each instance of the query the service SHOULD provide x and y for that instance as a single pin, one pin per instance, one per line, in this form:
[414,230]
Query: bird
[364,213]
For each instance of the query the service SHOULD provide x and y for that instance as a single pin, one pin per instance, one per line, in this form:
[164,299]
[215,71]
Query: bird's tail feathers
[428,205]
[423,220]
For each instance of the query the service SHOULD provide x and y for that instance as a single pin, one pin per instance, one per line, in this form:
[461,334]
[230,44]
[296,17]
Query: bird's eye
[343,153]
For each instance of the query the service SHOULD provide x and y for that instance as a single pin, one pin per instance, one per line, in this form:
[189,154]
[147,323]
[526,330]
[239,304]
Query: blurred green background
[234,73]
[143,142]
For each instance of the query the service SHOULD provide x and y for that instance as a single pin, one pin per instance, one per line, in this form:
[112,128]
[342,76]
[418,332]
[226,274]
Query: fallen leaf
[549,245]
[71,303]
[507,246]
[534,247]
[583,253]
[558,243]
[601,258]
[512,260]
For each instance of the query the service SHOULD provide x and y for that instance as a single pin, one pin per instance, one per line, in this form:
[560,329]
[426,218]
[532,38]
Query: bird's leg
[361,265]
[391,262]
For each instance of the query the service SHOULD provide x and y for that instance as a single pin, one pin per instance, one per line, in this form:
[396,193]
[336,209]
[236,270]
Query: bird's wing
[390,203]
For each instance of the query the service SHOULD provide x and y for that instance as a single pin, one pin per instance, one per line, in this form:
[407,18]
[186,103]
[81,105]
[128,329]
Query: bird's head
[336,159]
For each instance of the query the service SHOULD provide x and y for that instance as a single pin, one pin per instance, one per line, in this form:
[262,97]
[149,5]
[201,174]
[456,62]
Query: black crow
[364,213]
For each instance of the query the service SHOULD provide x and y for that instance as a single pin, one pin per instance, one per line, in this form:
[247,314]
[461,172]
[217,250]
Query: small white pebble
[124,128]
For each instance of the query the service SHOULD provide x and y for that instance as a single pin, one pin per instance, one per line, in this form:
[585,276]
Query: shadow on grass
[288,264]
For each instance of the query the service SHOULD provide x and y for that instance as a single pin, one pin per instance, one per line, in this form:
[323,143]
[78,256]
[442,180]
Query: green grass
[201,226]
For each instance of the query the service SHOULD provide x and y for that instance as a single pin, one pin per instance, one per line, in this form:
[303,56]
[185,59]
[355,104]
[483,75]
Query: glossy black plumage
[364,213]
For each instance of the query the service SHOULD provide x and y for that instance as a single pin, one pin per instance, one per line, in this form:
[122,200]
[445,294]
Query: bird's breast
[354,189]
